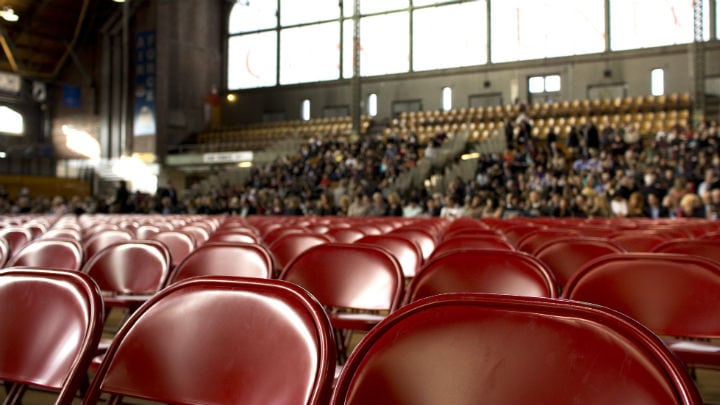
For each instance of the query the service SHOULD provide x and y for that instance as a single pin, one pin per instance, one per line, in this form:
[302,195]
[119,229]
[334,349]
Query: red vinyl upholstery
[499,349]
[50,323]
[672,294]
[482,271]
[222,341]
[224,258]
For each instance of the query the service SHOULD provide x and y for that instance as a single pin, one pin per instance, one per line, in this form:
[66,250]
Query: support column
[699,61]
[356,92]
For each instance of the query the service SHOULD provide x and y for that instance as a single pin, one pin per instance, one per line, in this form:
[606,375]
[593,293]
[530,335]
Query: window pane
[657,82]
[519,34]
[376,6]
[298,12]
[305,110]
[449,36]
[256,15]
[536,84]
[648,23]
[552,83]
[347,48]
[310,53]
[446,98]
[372,105]
[385,44]
[717,19]
[11,121]
[418,3]
[252,60]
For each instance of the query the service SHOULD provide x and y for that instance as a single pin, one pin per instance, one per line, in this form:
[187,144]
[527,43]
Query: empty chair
[232,235]
[224,259]
[471,242]
[289,246]
[698,247]
[482,271]
[424,239]
[199,233]
[65,254]
[222,341]
[501,349]
[4,251]
[180,244]
[639,241]
[407,252]
[146,231]
[62,233]
[515,232]
[16,238]
[565,256]
[50,324]
[355,277]
[103,239]
[534,239]
[344,235]
[128,269]
[672,294]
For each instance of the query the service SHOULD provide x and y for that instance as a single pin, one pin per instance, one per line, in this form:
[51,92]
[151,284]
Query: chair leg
[15,393]
[340,343]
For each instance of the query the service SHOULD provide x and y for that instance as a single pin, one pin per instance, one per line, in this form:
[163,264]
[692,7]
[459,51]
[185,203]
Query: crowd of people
[595,172]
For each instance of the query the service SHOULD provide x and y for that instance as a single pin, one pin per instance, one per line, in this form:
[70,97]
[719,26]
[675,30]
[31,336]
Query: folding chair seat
[471,242]
[244,341]
[103,239]
[224,259]
[482,271]
[16,238]
[483,348]
[50,324]
[288,247]
[179,244]
[698,247]
[407,252]
[674,295]
[355,277]
[57,254]
[639,240]
[534,239]
[565,256]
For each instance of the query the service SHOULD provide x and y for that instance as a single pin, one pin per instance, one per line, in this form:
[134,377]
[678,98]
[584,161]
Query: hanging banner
[145,66]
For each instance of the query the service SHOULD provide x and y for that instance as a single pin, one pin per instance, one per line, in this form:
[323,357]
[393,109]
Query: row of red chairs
[321,260]
[241,340]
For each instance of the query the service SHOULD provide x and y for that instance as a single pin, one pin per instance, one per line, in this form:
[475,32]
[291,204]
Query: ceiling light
[8,14]
[119,1]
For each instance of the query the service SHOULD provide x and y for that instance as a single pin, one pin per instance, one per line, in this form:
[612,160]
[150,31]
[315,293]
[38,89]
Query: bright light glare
[11,121]
[136,172]
[81,142]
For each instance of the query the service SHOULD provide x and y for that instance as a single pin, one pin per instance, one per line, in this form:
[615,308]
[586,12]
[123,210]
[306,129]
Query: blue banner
[145,66]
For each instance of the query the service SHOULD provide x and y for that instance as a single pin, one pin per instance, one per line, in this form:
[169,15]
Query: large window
[285,42]
[253,16]
[450,36]
[310,53]
[384,47]
[657,82]
[649,23]
[536,29]
[11,121]
[252,60]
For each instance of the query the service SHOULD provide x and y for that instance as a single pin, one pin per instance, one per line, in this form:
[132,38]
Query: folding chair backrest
[219,341]
[501,349]
[50,325]
[224,259]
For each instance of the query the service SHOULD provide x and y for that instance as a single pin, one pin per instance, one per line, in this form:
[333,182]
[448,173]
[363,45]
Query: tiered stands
[262,135]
